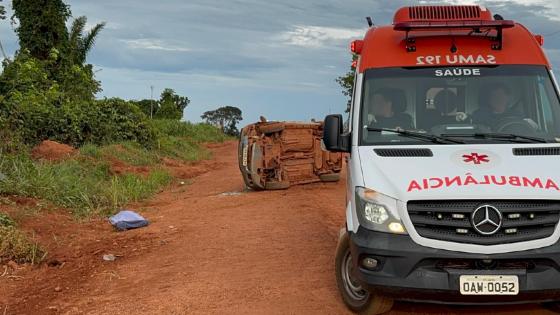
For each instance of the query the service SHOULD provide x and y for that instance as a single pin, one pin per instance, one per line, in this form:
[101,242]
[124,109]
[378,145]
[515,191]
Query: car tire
[276,185]
[246,180]
[358,300]
[272,128]
[335,177]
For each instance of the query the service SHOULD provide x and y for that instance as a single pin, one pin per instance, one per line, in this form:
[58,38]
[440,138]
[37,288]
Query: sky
[278,59]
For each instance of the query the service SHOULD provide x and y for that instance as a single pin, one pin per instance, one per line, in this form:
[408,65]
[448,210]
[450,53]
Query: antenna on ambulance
[369,21]
[498,17]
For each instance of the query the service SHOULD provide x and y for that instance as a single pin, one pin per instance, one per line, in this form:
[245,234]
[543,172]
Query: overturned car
[276,155]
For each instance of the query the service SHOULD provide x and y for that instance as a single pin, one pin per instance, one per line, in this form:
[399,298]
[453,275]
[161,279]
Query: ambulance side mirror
[333,137]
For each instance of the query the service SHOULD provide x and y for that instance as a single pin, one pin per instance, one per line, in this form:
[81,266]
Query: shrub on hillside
[40,106]
[99,122]
[120,120]
[195,132]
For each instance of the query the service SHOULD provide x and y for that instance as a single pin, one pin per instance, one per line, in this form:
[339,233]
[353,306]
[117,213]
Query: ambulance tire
[552,306]
[276,185]
[330,177]
[356,299]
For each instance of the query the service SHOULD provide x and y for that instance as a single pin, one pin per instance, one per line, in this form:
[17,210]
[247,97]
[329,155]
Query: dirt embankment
[211,248]
[52,151]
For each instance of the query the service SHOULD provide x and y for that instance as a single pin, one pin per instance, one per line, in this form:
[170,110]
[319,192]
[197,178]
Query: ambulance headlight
[378,212]
[375,213]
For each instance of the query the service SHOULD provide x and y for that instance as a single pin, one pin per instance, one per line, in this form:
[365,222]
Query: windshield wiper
[417,135]
[500,136]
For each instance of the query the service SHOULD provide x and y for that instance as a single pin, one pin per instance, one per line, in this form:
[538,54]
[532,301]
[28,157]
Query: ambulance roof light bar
[477,19]
[476,27]
[431,25]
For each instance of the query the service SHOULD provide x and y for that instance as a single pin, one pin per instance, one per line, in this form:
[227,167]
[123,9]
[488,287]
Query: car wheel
[354,296]
[272,128]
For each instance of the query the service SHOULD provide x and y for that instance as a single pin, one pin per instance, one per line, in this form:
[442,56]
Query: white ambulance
[453,181]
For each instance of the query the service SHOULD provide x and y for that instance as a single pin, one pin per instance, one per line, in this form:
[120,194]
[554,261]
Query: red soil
[52,151]
[211,248]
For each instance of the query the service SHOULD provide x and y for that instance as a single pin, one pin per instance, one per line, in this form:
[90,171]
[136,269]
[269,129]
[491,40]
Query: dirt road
[211,249]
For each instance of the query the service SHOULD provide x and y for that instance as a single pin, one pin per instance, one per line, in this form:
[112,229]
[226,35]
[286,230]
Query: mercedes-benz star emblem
[486,220]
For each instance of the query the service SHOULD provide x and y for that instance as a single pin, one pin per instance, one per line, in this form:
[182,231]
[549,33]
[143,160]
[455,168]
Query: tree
[226,118]
[171,105]
[45,44]
[347,83]
[148,107]
[80,44]
[41,26]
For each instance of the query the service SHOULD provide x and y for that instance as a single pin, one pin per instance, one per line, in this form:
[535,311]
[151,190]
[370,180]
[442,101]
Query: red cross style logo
[476,158]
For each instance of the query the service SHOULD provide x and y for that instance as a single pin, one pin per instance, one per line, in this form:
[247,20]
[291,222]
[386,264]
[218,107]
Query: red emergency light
[437,19]
[442,13]
[540,39]
[357,46]
[431,25]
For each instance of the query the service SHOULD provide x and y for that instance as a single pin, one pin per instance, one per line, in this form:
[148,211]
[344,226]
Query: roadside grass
[175,139]
[133,188]
[195,133]
[15,245]
[181,149]
[85,184]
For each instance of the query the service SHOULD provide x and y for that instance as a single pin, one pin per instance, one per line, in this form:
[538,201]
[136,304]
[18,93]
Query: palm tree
[80,44]
[2,17]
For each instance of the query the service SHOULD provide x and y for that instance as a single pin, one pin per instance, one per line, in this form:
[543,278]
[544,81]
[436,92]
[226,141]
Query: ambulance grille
[462,12]
[522,220]
[536,151]
[404,152]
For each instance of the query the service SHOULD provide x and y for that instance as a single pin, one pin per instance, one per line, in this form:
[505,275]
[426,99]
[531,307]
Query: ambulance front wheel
[354,296]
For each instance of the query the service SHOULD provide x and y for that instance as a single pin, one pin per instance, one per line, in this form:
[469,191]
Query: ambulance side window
[549,106]
[546,107]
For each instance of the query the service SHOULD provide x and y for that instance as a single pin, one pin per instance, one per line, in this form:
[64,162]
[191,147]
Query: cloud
[319,36]
[154,44]
[273,58]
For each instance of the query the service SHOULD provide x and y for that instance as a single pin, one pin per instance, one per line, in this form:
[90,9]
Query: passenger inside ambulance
[446,109]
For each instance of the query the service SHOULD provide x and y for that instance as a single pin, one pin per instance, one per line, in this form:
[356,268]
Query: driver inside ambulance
[495,105]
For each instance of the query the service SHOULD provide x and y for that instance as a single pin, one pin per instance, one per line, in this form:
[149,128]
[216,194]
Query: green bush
[99,122]
[120,120]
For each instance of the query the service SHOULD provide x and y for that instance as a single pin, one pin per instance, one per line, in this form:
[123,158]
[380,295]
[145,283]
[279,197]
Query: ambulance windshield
[496,104]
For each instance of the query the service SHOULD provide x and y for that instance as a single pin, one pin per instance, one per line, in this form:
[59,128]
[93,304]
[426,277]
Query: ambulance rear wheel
[354,296]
